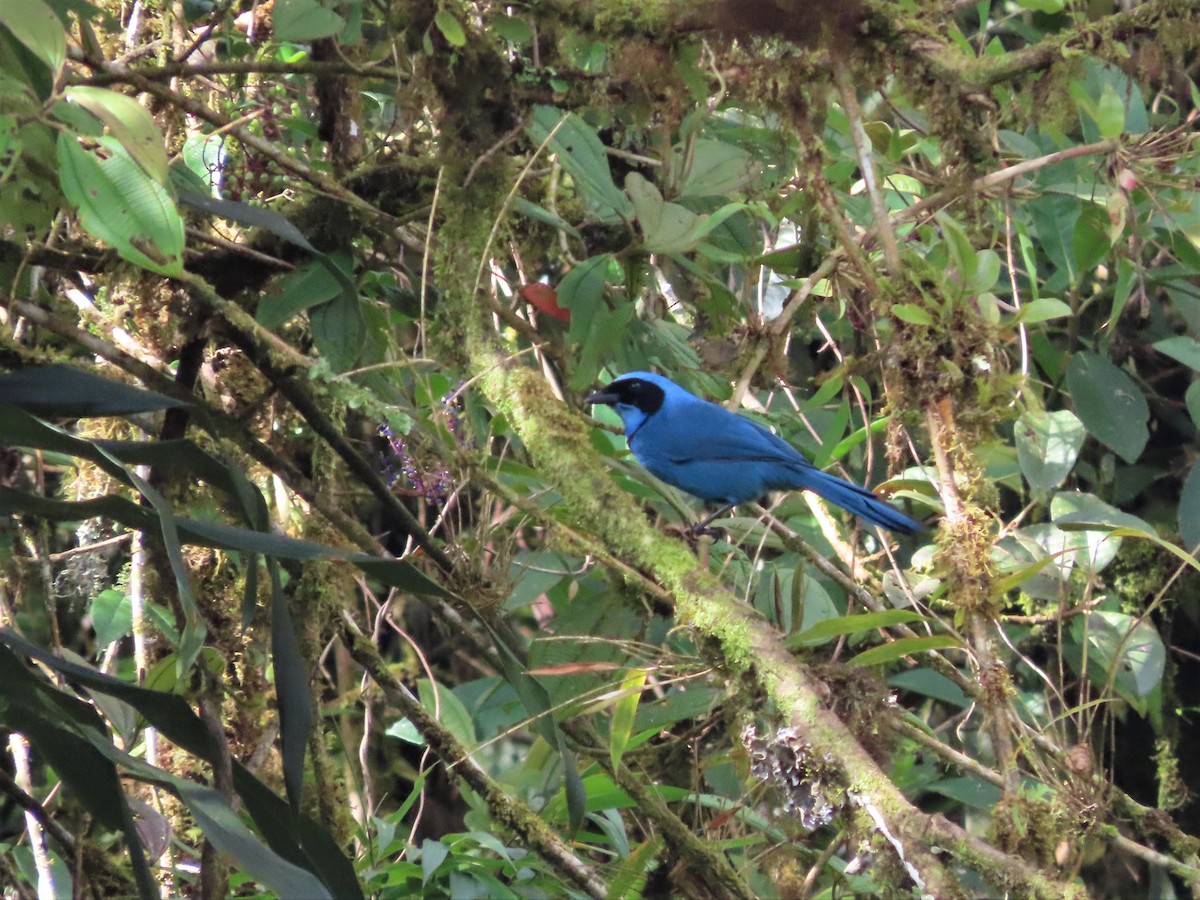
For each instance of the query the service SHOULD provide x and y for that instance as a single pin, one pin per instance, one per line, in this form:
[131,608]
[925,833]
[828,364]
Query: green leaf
[1040,310]
[582,292]
[1046,6]
[130,123]
[245,214]
[301,21]
[1126,279]
[450,28]
[963,260]
[513,29]
[1110,404]
[582,155]
[624,714]
[112,616]
[1192,399]
[606,329]
[677,706]
[75,393]
[1110,112]
[224,829]
[444,705]
[1129,652]
[628,879]
[36,26]
[70,735]
[665,226]
[1182,348]
[987,271]
[1189,510]
[23,429]
[1090,240]
[339,330]
[930,683]
[121,205]
[405,730]
[717,169]
[433,854]
[541,214]
[911,313]
[904,647]
[1048,444]
[969,791]
[1092,525]
[828,629]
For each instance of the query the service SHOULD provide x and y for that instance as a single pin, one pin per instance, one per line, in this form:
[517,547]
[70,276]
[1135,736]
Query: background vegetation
[319,581]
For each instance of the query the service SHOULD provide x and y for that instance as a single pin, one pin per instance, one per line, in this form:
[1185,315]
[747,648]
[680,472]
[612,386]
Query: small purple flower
[402,472]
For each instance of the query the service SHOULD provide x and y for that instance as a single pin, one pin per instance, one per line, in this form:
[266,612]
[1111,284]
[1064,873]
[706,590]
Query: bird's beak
[601,396]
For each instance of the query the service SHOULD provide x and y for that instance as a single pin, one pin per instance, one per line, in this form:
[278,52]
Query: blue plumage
[721,457]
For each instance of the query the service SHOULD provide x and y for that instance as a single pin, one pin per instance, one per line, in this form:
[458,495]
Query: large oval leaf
[1110,404]
[121,205]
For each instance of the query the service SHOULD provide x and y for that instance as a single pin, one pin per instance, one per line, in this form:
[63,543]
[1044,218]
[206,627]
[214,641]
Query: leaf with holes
[129,122]
[121,205]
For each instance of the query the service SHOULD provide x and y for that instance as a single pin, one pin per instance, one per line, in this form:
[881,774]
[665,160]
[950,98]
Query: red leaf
[544,299]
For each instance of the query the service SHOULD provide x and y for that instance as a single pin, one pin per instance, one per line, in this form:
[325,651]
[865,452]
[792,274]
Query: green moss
[1031,827]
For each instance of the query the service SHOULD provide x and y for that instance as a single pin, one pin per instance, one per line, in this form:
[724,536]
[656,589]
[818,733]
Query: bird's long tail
[859,501]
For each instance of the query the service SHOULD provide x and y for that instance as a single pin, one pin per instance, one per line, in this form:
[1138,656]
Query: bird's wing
[706,432]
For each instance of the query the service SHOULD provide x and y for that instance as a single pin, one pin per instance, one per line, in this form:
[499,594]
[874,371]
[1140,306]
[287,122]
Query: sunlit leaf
[624,714]
[825,631]
[129,122]
[450,28]
[904,647]
[35,25]
[121,205]
[1048,444]
[1125,649]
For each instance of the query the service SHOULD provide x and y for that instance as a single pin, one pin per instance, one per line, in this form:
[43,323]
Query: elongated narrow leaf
[297,839]
[624,714]
[23,430]
[199,464]
[537,703]
[391,572]
[245,214]
[292,691]
[828,629]
[62,729]
[225,830]
[904,647]
[63,391]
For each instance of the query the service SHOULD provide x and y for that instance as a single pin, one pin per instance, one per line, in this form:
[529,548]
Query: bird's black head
[631,392]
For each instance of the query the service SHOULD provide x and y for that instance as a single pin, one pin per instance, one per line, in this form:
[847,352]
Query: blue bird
[721,457]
